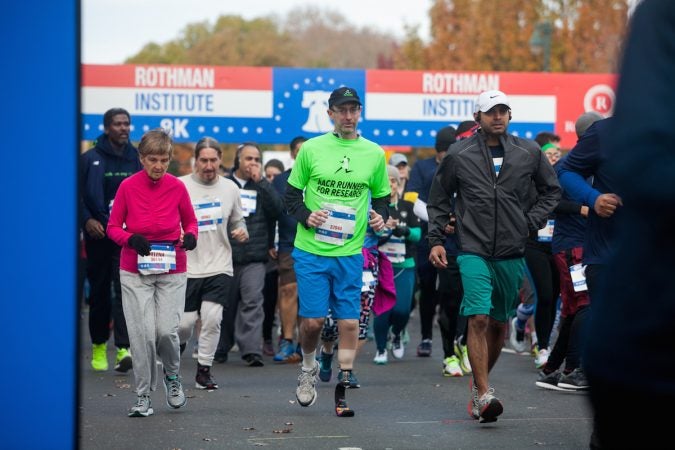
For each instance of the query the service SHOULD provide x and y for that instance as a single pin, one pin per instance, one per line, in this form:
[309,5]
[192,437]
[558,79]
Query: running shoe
[204,379]
[489,407]
[99,357]
[123,360]
[175,397]
[575,380]
[380,357]
[353,381]
[142,408]
[462,353]
[549,381]
[451,367]
[305,393]
[541,358]
[397,348]
[517,337]
[287,353]
[424,349]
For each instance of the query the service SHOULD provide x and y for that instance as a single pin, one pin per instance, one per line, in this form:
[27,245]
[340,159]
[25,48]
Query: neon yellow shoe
[99,357]
[123,360]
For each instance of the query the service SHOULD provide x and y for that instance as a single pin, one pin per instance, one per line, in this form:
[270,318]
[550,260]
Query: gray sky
[113,30]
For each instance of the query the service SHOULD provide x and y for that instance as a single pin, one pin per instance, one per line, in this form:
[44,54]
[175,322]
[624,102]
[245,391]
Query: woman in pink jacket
[151,211]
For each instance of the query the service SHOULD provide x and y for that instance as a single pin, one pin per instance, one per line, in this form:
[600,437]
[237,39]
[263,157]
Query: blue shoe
[287,353]
[353,381]
[325,366]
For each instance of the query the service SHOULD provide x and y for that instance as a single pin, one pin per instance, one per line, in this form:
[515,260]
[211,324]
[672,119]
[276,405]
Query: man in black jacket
[491,174]
[262,206]
[102,169]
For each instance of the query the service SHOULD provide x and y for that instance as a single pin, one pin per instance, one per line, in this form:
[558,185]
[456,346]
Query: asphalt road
[406,404]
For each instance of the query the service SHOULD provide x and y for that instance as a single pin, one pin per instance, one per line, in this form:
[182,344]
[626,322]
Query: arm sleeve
[381,206]
[295,205]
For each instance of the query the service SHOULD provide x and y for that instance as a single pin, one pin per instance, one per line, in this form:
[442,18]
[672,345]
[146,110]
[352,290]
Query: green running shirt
[339,172]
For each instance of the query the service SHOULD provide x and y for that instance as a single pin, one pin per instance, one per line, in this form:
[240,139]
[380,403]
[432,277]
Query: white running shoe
[541,358]
[380,358]
[518,346]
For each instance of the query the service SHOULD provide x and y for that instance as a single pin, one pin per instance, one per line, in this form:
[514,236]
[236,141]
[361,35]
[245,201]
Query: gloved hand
[401,230]
[189,241]
[140,244]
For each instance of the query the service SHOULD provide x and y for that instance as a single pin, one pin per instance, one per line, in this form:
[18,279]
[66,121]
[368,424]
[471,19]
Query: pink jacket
[385,290]
[155,209]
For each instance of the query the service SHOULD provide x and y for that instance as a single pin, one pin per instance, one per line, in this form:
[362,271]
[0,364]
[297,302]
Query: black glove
[189,241]
[401,230]
[140,244]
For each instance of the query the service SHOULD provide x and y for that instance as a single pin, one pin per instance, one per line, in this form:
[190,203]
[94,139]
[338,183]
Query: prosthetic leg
[341,407]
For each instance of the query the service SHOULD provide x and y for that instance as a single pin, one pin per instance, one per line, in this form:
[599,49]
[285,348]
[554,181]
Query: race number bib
[546,233]
[339,227]
[394,248]
[578,273]
[209,214]
[249,201]
[162,259]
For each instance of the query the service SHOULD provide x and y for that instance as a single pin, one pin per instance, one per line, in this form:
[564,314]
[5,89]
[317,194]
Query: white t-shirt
[218,210]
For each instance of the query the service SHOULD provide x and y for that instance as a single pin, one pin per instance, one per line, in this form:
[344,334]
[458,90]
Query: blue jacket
[588,160]
[101,173]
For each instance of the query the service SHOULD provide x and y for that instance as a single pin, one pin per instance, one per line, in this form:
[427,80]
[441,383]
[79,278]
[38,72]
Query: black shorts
[215,289]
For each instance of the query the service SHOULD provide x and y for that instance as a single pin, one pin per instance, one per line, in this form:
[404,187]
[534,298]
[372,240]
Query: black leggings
[568,346]
[546,280]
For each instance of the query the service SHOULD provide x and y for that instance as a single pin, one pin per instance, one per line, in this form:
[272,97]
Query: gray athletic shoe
[306,390]
[175,397]
[142,408]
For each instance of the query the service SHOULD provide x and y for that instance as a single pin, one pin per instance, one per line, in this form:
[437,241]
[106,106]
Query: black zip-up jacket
[102,170]
[268,208]
[494,214]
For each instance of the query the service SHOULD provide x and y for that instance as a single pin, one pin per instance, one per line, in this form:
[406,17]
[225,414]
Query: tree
[308,37]
[479,35]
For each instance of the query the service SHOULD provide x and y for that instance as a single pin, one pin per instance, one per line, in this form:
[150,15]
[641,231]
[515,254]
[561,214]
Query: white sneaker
[397,348]
[518,346]
[305,393]
[451,367]
[380,358]
[541,358]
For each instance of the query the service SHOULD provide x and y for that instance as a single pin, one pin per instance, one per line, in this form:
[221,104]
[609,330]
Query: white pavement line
[297,437]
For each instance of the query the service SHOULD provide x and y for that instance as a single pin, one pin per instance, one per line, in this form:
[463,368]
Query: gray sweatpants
[153,305]
[249,280]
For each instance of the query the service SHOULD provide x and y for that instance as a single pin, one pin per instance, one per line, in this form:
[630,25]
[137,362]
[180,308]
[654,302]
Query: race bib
[249,201]
[367,280]
[162,259]
[578,273]
[209,214]
[339,227]
[546,233]
[394,248]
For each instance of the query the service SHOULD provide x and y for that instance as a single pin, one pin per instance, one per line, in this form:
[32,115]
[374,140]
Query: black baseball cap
[343,95]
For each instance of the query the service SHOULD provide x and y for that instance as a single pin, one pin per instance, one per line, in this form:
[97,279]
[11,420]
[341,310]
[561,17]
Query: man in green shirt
[335,180]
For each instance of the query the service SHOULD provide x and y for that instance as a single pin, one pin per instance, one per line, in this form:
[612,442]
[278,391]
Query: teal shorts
[490,286]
